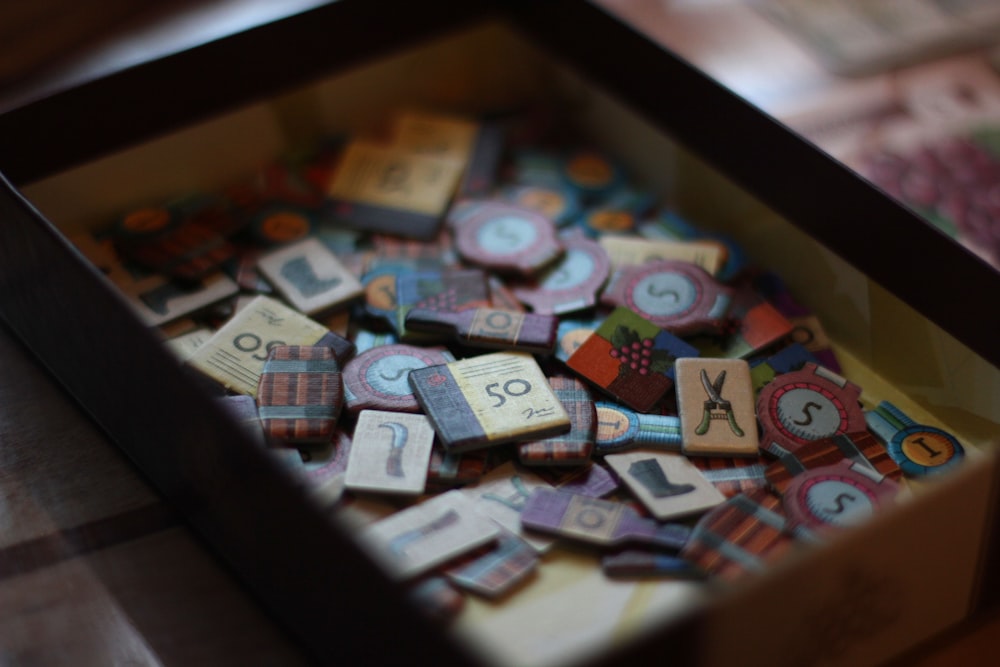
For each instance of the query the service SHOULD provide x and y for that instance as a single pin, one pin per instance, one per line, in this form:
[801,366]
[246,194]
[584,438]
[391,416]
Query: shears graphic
[716,407]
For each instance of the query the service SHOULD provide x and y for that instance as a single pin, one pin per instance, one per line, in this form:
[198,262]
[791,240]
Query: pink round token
[507,239]
[677,296]
[836,496]
[377,379]
[570,284]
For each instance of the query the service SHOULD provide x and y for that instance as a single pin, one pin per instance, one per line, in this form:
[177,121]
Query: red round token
[570,284]
[677,296]
[507,239]
[377,378]
[836,496]
[806,405]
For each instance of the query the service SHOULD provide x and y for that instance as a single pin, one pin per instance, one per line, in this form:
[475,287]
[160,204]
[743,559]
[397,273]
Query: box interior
[884,345]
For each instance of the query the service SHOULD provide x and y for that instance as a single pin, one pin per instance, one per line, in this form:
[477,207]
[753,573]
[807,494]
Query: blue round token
[923,450]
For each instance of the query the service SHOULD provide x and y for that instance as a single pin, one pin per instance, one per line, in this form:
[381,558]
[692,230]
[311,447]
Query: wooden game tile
[756,325]
[158,301]
[596,521]
[300,393]
[571,284]
[620,429]
[630,358]
[667,484]
[732,475]
[447,470]
[447,290]
[742,535]
[234,356]
[488,400]
[507,239]
[390,453]
[488,328]
[633,251]
[716,403]
[501,495]
[575,447]
[377,379]
[496,571]
[309,276]
[861,447]
[426,535]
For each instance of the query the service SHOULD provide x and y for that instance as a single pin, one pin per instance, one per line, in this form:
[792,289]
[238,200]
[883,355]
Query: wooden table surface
[96,569]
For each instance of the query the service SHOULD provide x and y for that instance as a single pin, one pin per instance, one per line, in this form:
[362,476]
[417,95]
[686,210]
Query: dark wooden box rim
[311,578]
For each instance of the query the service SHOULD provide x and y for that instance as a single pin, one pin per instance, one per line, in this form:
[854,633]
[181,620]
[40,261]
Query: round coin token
[280,225]
[922,450]
[561,205]
[146,222]
[377,379]
[508,239]
[837,496]
[807,405]
[570,284]
[677,296]
[616,428]
[591,173]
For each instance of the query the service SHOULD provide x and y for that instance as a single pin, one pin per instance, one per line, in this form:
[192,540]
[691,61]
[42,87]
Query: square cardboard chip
[310,276]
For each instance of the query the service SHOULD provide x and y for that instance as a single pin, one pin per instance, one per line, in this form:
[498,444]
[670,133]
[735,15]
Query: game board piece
[384,189]
[377,379]
[498,570]
[488,328]
[625,251]
[243,410]
[452,290]
[591,173]
[418,538]
[617,214]
[435,134]
[559,204]
[451,470]
[488,400]
[501,296]
[483,166]
[756,325]
[597,521]
[571,334]
[788,359]
[918,449]
[716,405]
[309,276]
[620,429]
[571,283]
[437,598]
[679,297]
[861,447]
[633,564]
[157,301]
[667,484]
[837,496]
[365,339]
[324,467]
[594,480]
[234,356]
[184,346]
[391,453]
[574,447]
[805,405]
[501,495]
[300,393]
[630,359]
[669,225]
[732,475]
[740,536]
[507,239]
[807,328]
[279,223]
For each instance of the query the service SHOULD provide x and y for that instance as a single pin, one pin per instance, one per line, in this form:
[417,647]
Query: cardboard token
[861,447]
[436,598]
[574,447]
[324,467]
[157,301]
[625,251]
[377,379]
[501,494]
[620,429]
[667,484]
[716,404]
[807,329]
[235,354]
[630,358]
[597,521]
[594,480]
[677,296]
[488,328]
[740,536]
[732,476]
[483,166]
[571,334]
[488,400]
[448,469]
[788,359]
[918,449]
[755,325]
[437,134]
[841,495]
[561,205]
[508,239]
[418,538]
[300,393]
[391,453]
[497,570]
[184,250]
[805,405]
[670,226]
[633,563]
[450,290]
[591,173]
[280,223]
[571,283]
[309,276]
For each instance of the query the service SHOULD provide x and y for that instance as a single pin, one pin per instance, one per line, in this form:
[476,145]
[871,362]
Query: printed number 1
[515,387]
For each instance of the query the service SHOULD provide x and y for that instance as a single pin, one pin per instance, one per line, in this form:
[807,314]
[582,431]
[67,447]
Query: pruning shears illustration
[716,407]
